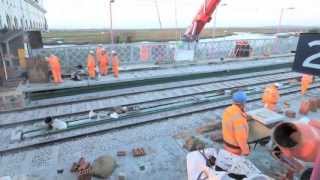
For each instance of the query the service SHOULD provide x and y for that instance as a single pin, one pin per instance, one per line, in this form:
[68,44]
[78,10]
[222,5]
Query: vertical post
[214,24]
[158,13]
[111,28]
[280,20]
[176,19]
[3,63]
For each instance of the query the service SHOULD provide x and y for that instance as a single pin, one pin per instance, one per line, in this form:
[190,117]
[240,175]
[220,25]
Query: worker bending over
[115,64]
[104,62]
[271,96]
[54,64]
[235,128]
[306,81]
[91,64]
[55,124]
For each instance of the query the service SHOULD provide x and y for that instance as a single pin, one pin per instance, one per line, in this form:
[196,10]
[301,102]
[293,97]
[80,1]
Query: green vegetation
[156,35]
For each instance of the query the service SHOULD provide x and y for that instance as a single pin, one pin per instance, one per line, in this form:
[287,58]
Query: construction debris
[304,107]
[83,169]
[313,105]
[137,152]
[103,166]
[122,176]
[121,153]
[216,136]
[318,102]
[209,127]
[290,114]
[193,144]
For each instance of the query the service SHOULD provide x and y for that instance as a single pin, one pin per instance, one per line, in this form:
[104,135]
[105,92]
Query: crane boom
[200,20]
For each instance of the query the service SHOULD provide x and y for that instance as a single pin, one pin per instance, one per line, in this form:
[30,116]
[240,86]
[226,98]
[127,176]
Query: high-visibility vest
[235,130]
[54,62]
[91,63]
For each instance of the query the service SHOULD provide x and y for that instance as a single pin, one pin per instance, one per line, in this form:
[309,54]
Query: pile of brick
[137,152]
[83,169]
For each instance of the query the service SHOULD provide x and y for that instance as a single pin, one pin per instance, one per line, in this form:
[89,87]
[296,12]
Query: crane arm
[200,20]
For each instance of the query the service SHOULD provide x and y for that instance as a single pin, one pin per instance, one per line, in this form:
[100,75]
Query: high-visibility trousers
[56,73]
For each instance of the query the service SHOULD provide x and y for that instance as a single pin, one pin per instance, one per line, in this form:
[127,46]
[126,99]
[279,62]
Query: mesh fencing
[138,53]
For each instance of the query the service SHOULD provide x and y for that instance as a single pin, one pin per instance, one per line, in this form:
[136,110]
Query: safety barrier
[137,53]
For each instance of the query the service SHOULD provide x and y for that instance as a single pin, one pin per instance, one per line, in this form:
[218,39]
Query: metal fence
[137,53]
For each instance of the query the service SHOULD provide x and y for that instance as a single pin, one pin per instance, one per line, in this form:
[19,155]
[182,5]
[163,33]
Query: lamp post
[277,42]
[281,17]
[111,30]
[215,19]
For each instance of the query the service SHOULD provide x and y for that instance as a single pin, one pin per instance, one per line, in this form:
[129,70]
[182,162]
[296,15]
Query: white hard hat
[91,52]
[113,52]
[277,84]
[100,45]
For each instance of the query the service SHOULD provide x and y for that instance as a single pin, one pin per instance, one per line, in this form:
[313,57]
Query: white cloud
[142,13]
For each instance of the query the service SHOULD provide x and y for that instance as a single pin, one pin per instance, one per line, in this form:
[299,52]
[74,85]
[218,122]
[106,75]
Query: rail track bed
[149,112]
[149,93]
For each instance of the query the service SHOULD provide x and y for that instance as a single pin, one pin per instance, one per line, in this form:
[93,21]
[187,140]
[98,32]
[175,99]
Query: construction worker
[306,81]
[55,124]
[91,64]
[115,64]
[235,130]
[99,52]
[54,64]
[104,62]
[299,140]
[271,96]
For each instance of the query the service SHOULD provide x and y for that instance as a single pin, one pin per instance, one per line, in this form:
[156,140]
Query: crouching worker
[55,124]
[235,130]
[76,76]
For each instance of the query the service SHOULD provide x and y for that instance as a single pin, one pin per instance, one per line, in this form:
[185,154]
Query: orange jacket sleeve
[241,133]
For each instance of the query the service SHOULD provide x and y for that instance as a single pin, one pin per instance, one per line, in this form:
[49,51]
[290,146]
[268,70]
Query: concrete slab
[147,74]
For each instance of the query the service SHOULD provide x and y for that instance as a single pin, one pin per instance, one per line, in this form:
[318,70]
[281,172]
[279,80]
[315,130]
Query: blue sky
[139,14]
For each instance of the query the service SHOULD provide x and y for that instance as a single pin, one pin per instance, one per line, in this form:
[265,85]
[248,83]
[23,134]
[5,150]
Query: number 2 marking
[307,63]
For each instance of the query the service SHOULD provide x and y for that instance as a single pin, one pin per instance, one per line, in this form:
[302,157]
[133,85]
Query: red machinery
[201,19]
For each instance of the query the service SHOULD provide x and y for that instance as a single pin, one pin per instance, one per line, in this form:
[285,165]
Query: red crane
[200,20]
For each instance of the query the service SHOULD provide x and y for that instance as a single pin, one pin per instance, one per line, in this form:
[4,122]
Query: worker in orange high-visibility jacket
[91,65]
[235,130]
[306,81]
[99,52]
[54,64]
[104,62]
[115,64]
[271,96]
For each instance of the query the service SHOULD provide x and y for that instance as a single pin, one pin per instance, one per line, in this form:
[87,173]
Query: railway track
[147,114]
[146,94]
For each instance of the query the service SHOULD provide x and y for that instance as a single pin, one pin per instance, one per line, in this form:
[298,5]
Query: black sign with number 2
[307,59]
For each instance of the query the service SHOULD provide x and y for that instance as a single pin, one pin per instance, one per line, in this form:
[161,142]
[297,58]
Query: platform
[161,73]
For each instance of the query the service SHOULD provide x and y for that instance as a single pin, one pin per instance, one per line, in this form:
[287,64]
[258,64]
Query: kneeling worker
[55,124]
[235,128]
